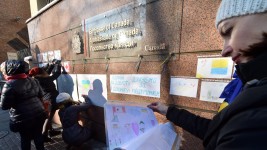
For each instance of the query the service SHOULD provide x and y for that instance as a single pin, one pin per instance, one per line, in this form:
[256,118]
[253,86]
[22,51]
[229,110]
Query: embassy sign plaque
[122,32]
[122,39]
[117,32]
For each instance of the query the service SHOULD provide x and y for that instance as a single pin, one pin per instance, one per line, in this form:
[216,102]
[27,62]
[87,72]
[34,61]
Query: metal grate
[23,33]
[17,44]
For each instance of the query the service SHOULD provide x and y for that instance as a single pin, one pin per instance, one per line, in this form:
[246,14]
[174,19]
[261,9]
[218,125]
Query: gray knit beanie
[235,8]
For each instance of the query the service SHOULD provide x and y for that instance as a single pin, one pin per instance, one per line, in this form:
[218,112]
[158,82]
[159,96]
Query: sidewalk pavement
[11,141]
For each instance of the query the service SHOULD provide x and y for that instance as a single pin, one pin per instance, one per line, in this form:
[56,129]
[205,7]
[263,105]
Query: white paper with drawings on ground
[126,121]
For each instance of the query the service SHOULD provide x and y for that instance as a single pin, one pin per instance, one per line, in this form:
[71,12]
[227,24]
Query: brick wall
[186,26]
[13,15]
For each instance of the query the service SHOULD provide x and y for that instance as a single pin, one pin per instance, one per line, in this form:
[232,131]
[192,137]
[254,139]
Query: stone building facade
[13,29]
[163,37]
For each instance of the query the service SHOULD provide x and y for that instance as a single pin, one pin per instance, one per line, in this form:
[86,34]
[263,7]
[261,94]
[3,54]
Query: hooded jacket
[21,94]
[241,125]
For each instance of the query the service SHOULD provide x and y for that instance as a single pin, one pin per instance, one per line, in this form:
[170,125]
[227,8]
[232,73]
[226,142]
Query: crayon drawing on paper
[184,86]
[125,122]
[211,91]
[214,67]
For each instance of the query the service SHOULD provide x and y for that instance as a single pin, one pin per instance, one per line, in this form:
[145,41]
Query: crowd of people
[242,24]
[23,96]
[31,96]
[50,92]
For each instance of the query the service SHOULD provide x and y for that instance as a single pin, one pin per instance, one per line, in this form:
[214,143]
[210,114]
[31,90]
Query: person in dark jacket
[50,93]
[23,95]
[51,66]
[29,63]
[243,124]
[73,133]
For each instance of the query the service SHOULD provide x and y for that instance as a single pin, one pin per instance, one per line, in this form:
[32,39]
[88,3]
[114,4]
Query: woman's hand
[158,107]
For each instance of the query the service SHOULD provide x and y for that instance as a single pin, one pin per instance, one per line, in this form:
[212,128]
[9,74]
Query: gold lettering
[153,48]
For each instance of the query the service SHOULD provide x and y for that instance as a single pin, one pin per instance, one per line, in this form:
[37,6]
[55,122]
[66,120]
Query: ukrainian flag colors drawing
[219,66]
[86,84]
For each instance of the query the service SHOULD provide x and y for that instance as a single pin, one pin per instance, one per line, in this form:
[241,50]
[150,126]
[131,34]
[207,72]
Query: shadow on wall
[65,84]
[95,95]
[36,52]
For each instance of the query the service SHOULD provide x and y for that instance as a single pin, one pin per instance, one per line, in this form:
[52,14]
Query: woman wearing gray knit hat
[73,133]
[243,124]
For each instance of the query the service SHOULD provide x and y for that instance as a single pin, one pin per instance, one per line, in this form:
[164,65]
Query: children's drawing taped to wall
[214,67]
[211,91]
[136,84]
[93,85]
[184,86]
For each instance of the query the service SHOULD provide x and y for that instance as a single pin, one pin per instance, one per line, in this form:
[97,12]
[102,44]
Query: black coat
[23,98]
[48,85]
[242,124]
[73,133]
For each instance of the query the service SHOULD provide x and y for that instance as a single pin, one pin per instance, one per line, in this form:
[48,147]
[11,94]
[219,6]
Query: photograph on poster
[219,67]
[183,86]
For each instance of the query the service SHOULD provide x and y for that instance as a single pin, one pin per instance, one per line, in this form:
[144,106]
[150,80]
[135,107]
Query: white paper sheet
[136,84]
[211,91]
[125,122]
[161,137]
[214,67]
[50,56]
[184,86]
[57,54]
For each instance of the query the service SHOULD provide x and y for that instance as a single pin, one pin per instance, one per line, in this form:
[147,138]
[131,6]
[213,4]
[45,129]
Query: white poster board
[12,56]
[50,56]
[57,54]
[136,84]
[93,85]
[184,86]
[126,121]
[220,67]
[211,91]
[68,83]
[45,57]
[66,65]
